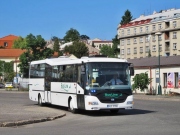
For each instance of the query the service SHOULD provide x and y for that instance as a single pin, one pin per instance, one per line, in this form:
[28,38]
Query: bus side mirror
[131,68]
[131,71]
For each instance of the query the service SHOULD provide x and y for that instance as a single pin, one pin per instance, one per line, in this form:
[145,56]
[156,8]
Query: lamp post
[159,86]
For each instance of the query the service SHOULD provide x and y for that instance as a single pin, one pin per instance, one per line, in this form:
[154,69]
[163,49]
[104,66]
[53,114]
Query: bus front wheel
[71,107]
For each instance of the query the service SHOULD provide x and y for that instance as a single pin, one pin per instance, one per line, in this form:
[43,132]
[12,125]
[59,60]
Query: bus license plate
[112,106]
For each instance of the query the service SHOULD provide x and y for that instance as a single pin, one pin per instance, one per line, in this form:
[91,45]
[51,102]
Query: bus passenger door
[48,78]
[80,89]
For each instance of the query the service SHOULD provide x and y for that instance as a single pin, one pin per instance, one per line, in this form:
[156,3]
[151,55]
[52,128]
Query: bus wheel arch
[71,106]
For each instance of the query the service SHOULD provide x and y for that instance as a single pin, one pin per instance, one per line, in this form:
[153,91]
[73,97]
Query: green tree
[8,71]
[107,50]
[79,49]
[115,48]
[72,35]
[141,81]
[56,45]
[20,43]
[35,50]
[126,18]
[84,37]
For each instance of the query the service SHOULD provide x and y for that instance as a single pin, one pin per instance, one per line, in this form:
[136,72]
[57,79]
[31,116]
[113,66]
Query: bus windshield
[111,75]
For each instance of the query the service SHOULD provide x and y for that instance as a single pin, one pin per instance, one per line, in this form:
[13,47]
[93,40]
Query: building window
[174,46]
[128,41]
[154,27]
[128,31]
[135,50]
[122,51]
[128,51]
[147,49]
[174,24]
[134,30]
[147,38]
[141,29]
[174,35]
[159,26]
[122,42]
[154,48]
[176,80]
[174,54]
[165,80]
[141,39]
[141,49]
[147,28]
[5,44]
[153,38]
[122,33]
[135,41]
[159,37]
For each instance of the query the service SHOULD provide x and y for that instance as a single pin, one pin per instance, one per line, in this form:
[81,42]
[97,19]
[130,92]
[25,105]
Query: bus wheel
[39,100]
[114,111]
[71,107]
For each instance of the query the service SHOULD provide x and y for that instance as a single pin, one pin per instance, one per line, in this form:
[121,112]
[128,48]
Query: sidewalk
[156,97]
[16,111]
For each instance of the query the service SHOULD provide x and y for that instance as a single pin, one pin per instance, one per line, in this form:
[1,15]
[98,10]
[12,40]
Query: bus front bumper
[93,103]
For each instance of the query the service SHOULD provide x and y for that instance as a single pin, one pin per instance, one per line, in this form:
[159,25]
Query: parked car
[8,85]
[2,85]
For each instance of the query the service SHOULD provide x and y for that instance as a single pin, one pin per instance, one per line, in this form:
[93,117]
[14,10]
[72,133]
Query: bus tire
[40,100]
[71,107]
[114,111]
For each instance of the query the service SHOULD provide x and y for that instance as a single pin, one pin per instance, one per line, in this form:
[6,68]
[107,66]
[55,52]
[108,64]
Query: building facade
[152,35]
[98,43]
[169,73]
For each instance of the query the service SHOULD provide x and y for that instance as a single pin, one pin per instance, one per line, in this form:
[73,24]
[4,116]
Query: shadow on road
[120,113]
[103,113]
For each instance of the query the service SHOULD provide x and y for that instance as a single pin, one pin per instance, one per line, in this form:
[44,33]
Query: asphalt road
[147,118]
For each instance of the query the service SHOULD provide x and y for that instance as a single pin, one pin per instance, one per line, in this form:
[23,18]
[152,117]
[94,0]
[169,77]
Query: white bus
[82,83]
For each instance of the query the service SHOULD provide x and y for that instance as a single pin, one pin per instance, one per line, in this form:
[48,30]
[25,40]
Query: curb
[25,122]
[157,98]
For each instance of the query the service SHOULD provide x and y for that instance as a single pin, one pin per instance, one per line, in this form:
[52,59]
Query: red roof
[15,53]
[11,52]
[135,23]
[9,37]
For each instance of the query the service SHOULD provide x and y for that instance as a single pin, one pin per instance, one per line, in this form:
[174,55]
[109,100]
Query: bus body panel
[36,86]
[61,92]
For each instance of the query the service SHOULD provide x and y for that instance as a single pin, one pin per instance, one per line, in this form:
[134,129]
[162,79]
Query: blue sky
[94,18]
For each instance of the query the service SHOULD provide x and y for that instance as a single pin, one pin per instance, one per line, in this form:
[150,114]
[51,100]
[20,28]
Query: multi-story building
[152,35]
[98,43]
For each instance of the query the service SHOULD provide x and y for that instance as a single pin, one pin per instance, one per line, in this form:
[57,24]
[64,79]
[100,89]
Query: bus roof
[66,61]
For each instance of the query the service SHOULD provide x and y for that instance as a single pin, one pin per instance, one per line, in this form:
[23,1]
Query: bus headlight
[92,103]
[130,102]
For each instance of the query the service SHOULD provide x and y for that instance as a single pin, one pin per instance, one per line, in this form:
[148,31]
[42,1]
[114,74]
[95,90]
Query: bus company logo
[112,95]
[65,87]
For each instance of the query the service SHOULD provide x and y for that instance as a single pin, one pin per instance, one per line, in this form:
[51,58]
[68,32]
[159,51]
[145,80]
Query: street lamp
[159,86]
